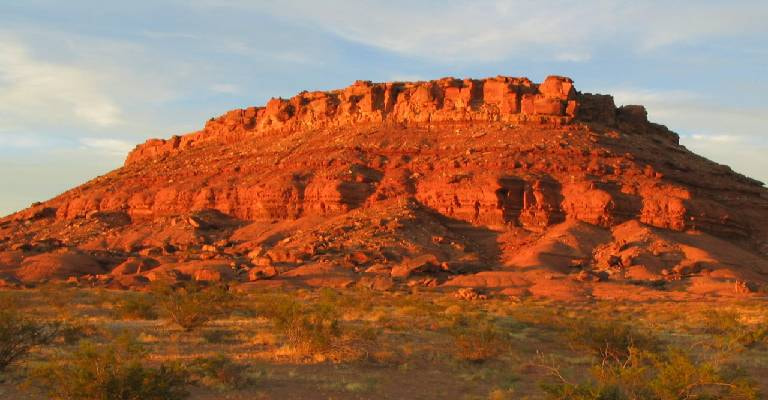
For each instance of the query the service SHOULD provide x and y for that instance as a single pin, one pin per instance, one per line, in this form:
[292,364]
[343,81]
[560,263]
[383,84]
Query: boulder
[419,264]
[48,266]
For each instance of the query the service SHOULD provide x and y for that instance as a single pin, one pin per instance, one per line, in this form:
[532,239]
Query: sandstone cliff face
[494,99]
[472,172]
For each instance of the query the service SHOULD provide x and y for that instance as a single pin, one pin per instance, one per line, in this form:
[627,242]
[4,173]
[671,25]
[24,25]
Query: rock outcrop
[494,99]
[529,182]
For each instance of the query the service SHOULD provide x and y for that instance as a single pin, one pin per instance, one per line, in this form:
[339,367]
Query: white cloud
[708,127]
[685,23]
[108,146]
[488,30]
[16,141]
[271,51]
[33,90]
[695,113]
[718,138]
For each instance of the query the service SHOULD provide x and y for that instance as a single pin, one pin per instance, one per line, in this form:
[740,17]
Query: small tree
[19,335]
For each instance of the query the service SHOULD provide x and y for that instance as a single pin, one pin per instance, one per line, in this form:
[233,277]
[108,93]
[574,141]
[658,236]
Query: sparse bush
[114,371]
[670,375]
[678,376]
[72,331]
[192,305]
[19,335]
[310,329]
[720,322]
[610,339]
[219,372]
[315,329]
[136,307]
[730,332]
[479,341]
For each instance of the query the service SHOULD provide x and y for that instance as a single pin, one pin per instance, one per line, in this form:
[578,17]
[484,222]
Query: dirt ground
[425,344]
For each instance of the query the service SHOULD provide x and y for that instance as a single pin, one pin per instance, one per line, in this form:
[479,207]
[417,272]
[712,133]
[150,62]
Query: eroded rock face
[490,173]
[493,99]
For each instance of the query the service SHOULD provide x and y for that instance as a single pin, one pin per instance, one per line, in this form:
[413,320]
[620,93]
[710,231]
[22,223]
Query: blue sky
[82,82]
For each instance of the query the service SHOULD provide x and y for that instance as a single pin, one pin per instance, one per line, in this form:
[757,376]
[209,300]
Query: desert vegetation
[205,341]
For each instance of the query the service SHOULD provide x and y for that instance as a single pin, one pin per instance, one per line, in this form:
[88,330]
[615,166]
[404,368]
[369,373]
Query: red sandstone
[526,181]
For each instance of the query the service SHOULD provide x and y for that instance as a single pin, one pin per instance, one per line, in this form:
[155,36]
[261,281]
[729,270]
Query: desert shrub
[720,322]
[669,375]
[19,335]
[676,375]
[112,371]
[729,332]
[309,328]
[136,307]
[191,305]
[478,341]
[219,372]
[314,328]
[71,331]
[610,339]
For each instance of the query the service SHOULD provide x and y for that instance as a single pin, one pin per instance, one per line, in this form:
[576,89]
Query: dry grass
[354,343]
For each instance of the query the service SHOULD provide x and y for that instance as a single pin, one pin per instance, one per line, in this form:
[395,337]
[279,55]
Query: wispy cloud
[695,113]
[15,141]
[86,81]
[718,138]
[731,135]
[495,29]
[32,89]
[109,146]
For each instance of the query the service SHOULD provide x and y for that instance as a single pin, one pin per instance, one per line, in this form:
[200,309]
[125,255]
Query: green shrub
[114,371]
[19,335]
[191,305]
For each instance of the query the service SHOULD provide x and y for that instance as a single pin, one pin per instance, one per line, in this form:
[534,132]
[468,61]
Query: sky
[83,82]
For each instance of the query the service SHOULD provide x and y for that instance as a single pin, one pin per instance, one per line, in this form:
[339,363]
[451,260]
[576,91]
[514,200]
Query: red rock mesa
[502,184]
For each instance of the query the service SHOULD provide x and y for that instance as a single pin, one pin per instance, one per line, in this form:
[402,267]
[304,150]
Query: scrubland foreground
[207,341]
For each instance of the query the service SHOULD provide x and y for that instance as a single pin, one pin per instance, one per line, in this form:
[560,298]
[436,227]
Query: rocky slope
[499,184]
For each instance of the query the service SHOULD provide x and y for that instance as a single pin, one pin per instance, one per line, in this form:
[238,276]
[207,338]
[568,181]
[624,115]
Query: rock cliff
[499,178]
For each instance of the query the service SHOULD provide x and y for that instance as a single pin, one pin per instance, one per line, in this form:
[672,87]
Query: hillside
[498,184]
